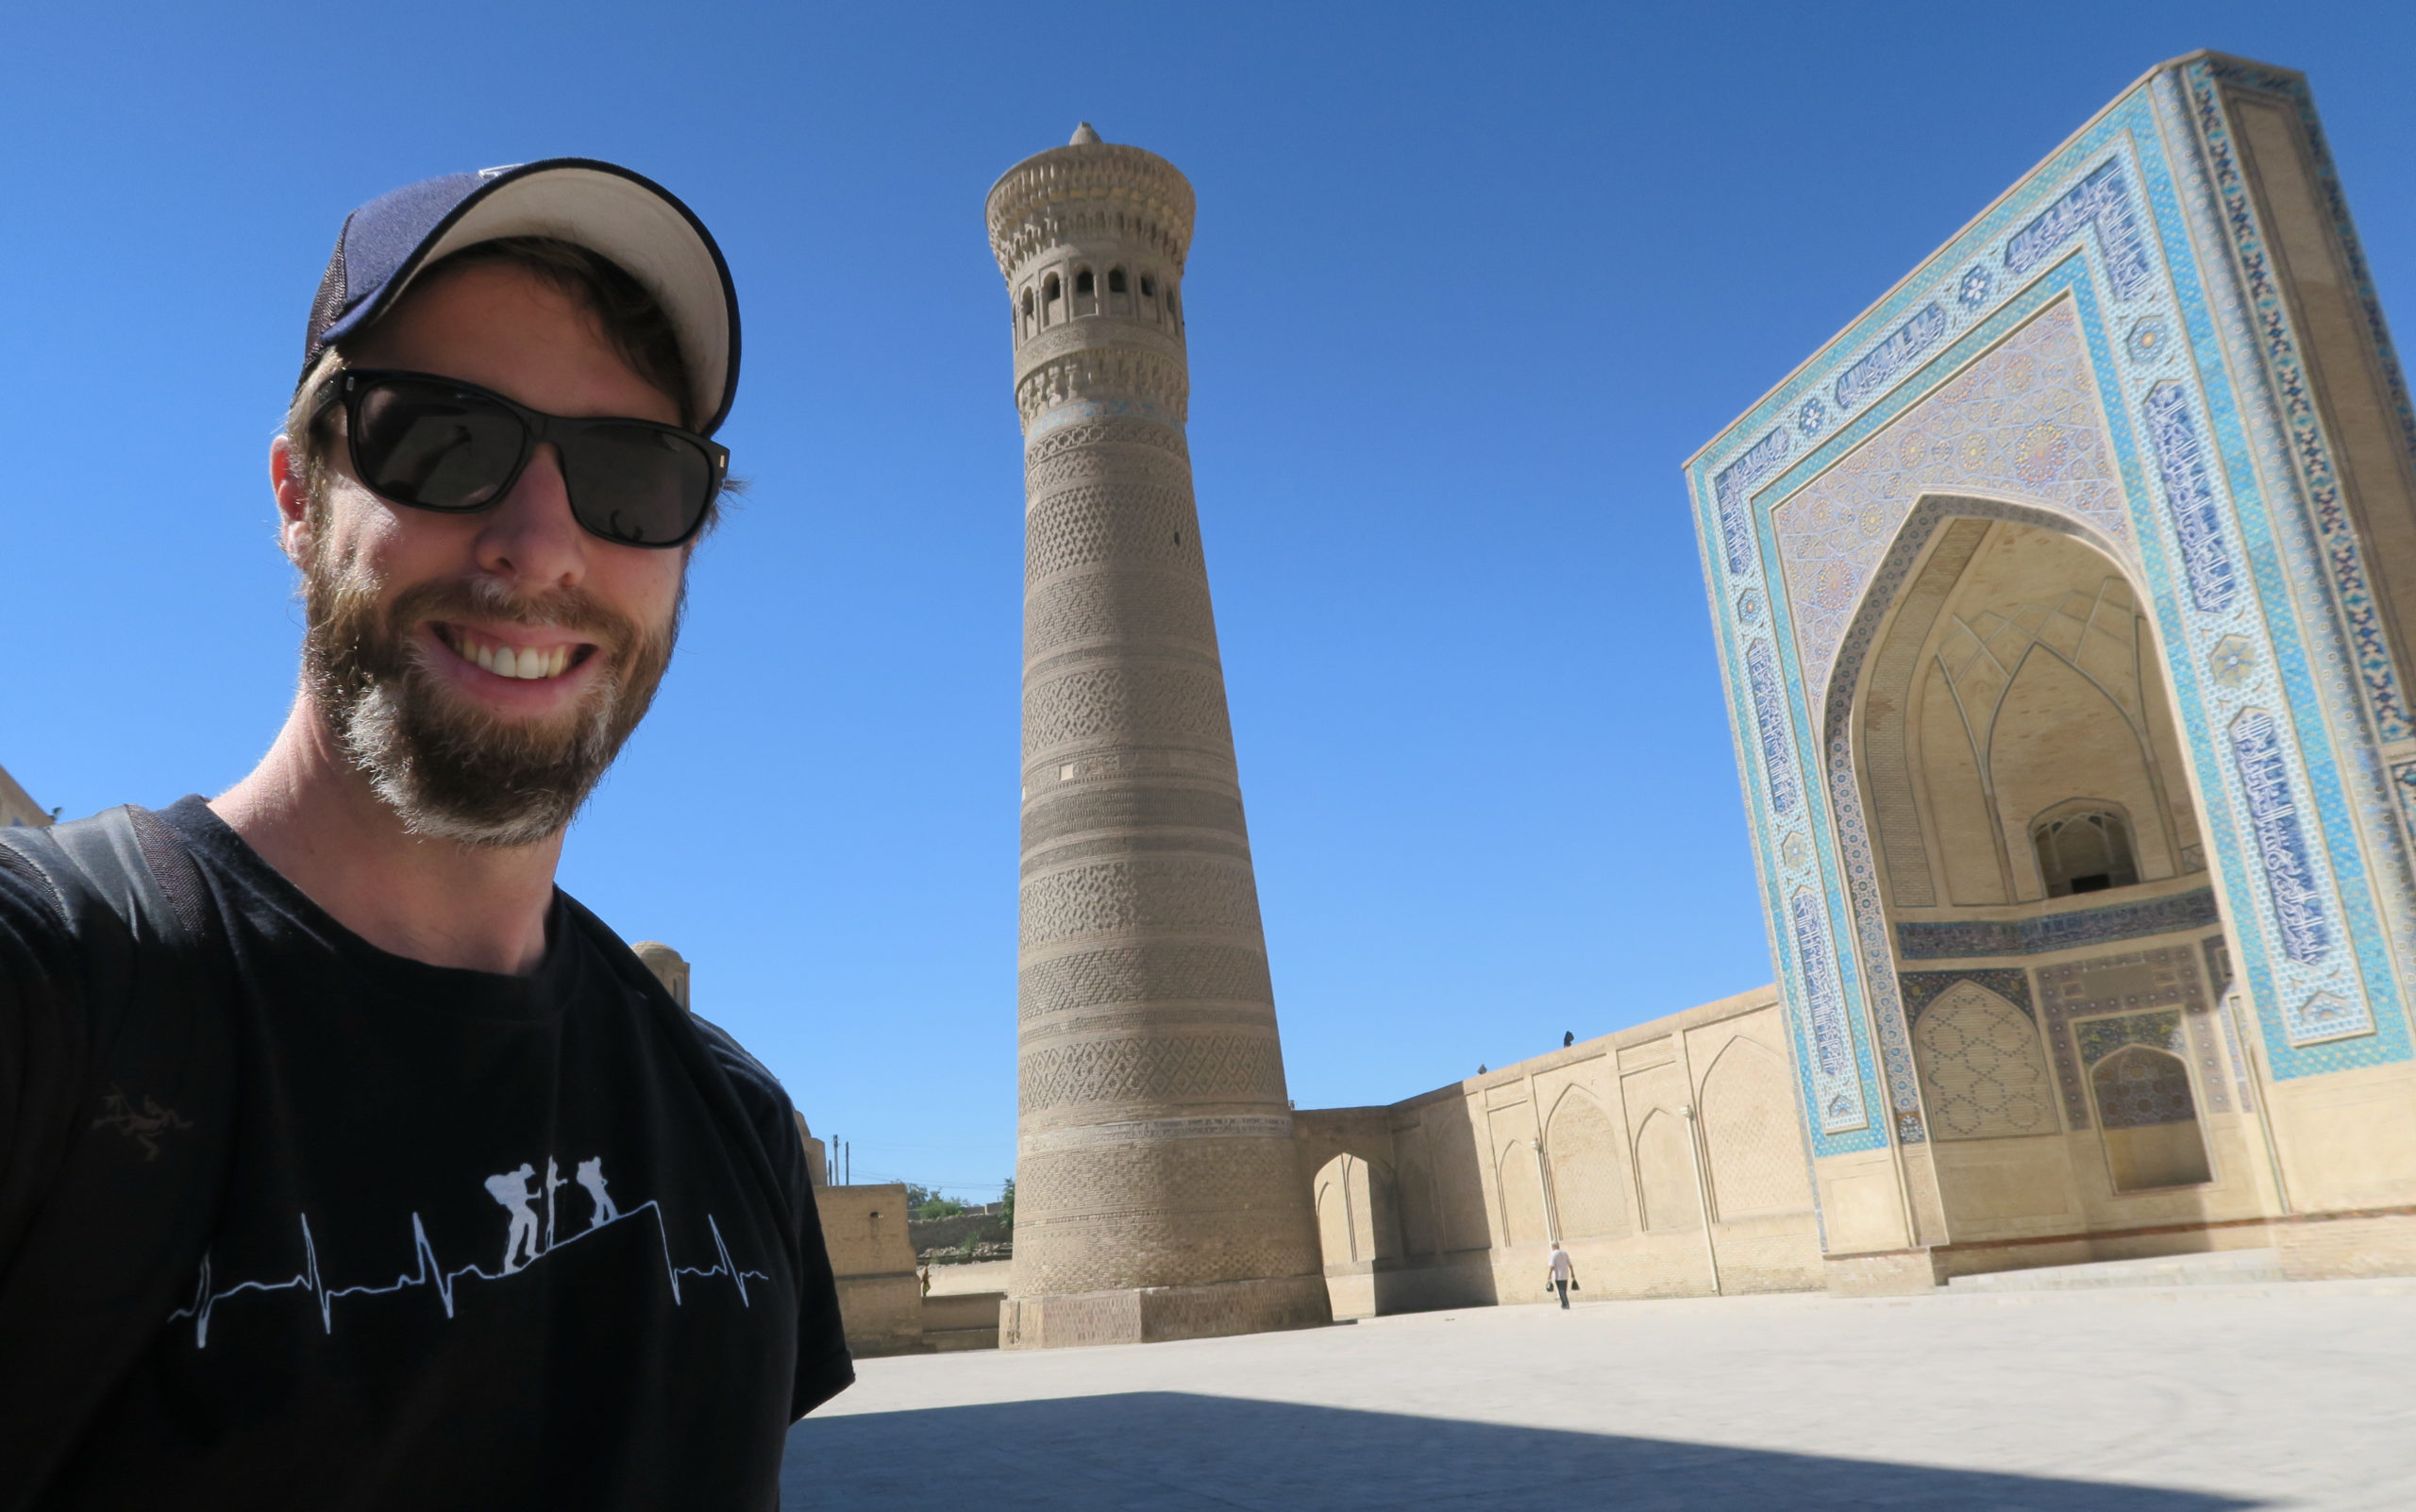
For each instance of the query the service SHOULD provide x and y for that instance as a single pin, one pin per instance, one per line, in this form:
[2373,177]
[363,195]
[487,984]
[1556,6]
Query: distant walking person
[511,1190]
[1563,1275]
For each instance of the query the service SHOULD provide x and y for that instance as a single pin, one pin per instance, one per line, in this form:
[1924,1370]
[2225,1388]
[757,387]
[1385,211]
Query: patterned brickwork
[1143,974]
[1155,703]
[1754,1155]
[1126,524]
[1581,1150]
[1150,1081]
[1155,1070]
[1144,893]
[1983,1072]
[1103,374]
[1137,455]
[1122,606]
[1168,1214]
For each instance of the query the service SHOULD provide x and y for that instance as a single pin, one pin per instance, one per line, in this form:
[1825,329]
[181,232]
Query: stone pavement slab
[2185,1399]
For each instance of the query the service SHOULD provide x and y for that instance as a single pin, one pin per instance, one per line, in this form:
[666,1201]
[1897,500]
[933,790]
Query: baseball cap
[606,209]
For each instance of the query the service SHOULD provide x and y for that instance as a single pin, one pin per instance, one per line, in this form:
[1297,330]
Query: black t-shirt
[485,1241]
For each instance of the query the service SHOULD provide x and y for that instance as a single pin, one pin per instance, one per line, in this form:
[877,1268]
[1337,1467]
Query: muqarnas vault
[2064,605]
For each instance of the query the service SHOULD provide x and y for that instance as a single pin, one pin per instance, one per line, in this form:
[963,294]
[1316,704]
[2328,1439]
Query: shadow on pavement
[1173,1451]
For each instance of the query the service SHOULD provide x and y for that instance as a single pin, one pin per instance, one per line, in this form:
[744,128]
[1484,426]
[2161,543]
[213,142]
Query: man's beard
[449,769]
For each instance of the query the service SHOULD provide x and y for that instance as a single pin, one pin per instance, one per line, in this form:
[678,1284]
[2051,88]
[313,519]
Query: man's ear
[292,502]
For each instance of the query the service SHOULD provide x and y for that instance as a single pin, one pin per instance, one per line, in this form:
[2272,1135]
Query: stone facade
[1155,1194]
[17,806]
[2064,604]
[880,1298]
[1620,1147]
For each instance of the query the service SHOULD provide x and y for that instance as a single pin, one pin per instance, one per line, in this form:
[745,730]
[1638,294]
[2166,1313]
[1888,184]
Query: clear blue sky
[1469,283]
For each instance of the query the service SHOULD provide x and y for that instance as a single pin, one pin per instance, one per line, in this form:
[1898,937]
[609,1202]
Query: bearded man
[262,1057]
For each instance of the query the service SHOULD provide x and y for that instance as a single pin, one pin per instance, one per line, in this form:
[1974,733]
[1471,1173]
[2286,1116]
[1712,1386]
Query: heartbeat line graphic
[432,1272]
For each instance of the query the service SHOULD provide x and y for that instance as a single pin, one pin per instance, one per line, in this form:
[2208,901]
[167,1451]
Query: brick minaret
[1156,1195]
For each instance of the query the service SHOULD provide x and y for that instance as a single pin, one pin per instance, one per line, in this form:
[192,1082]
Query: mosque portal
[2063,602]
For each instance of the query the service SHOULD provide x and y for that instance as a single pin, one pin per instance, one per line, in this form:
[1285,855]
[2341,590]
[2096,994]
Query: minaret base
[1152,1314]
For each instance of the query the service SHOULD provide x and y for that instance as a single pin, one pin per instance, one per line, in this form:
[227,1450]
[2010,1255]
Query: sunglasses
[439,443]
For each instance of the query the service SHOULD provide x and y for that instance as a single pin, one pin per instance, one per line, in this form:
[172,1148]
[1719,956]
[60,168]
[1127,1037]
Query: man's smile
[534,656]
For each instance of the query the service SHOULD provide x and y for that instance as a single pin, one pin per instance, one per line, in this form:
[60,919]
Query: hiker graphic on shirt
[512,1190]
[591,1175]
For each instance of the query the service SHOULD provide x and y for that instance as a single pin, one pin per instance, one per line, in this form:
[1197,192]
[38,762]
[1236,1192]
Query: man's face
[483,669]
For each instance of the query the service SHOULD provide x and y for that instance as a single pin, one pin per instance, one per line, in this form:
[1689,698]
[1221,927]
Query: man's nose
[532,538]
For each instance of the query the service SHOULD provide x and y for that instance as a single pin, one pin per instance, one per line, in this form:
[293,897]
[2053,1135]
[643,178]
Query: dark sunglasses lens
[433,446]
[636,484]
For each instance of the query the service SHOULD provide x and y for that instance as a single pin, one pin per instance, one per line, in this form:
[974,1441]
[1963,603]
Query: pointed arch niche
[1999,725]
[2013,701]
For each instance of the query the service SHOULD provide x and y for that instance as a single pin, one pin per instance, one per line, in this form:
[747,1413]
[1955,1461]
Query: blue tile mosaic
[2299,905]
[1836,1086]
[2309,446]
[1736,482]
[1890,357]
[2190,493]
[2103,200]
[2148,339]
[1961,938]
[1921,988]
[2144,223]
[1769,721]
[2101,1037]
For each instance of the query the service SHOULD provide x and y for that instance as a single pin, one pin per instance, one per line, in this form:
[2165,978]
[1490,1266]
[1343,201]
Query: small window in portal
[2088,851]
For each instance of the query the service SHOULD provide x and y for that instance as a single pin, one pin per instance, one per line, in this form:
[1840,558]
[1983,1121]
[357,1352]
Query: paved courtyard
[2183,1400]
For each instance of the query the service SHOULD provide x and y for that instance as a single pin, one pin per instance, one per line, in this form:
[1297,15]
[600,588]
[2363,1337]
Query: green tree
[923,1202]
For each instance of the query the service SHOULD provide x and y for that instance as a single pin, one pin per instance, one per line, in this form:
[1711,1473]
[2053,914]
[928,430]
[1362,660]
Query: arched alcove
[2084,845]
[2017,679]
[1356,1220]
[1983,1072]
[1749,1133]
[1581,1149]
[1665,1173]
[2001,672]
[2148,1119]
[1522,1195]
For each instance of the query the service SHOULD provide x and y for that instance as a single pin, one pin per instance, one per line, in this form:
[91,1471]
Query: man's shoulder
[759,1092]
[27,900]
[767,1101]
[42,963]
